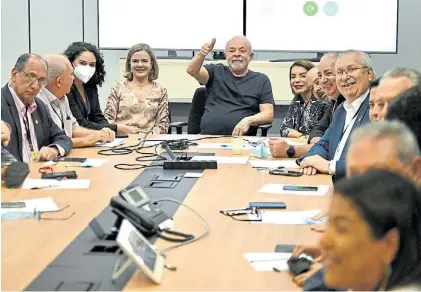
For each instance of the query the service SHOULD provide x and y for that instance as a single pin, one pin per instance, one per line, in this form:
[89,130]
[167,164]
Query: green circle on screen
[310,8]
[331,8]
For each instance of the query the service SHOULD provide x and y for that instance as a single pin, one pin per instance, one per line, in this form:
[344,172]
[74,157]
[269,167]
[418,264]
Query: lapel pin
[36,122]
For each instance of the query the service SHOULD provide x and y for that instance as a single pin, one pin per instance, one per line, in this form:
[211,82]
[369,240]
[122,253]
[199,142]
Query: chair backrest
[197,109]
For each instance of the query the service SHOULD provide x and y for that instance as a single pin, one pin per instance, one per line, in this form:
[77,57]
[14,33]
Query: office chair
[197,109]
[177,125]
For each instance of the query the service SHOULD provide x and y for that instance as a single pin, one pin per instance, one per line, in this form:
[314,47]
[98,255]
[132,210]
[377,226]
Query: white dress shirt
[59,110]
[351,115]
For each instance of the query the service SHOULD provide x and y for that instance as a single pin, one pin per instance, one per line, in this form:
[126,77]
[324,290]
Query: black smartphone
[285,172]
[13,205]
[300,188]
[268,205]
[69,159]
[60,175]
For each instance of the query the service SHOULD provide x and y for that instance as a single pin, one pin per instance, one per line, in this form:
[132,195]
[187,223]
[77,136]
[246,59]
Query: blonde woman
[137,100]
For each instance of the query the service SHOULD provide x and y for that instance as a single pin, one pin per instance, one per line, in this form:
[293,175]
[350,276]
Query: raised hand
[208,47]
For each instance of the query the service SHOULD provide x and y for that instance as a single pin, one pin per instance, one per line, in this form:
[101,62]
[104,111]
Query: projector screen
[322,25]
[168,24]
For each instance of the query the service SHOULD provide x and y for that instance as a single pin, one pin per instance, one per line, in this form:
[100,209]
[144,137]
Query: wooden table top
[215,262]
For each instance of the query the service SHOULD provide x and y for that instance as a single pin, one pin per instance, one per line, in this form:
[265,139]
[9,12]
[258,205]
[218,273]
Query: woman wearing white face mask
[83,97]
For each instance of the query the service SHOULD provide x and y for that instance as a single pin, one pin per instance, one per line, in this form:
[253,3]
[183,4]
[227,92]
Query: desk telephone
[134,205]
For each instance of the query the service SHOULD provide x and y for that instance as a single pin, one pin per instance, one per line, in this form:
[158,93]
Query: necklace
[139,84]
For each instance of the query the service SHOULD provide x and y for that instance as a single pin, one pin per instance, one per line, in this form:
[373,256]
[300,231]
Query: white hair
[239,37]
[365,58]
[412,74]
[406,144]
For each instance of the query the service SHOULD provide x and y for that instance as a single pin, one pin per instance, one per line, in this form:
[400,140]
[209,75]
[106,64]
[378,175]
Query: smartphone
[13,204]
[60,175]
[69,159]
[300,188]
[268,205]
[285,172]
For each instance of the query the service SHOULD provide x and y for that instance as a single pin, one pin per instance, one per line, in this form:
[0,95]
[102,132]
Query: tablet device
[140,251]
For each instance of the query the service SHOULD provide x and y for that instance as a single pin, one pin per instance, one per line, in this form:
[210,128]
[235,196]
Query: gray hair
[24,58]
[154,73]
[412,74]
[406,144]
[56,68]
[239,37]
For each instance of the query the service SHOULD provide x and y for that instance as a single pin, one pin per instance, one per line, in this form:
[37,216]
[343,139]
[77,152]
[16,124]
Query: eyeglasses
[349,71]
[31,78]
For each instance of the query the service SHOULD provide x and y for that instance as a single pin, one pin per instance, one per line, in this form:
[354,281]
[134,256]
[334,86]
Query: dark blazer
[46,130]
[95,120]
[324,123]
[327,145]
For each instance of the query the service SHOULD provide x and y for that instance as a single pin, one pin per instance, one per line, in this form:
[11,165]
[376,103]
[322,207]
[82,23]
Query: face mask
[16,173]
[84,73]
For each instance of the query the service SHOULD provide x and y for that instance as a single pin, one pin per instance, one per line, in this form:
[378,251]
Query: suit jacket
[95,120]
[324,123]
[327,145]
[47,132]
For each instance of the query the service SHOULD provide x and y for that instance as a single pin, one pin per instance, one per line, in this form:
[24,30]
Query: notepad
[226,146]
[114,143]
[31,183]
[273,163]
[267,261]
[285,217]
[223,159]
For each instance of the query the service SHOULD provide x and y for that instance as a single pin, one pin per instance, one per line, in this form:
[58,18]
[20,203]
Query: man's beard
[237,66]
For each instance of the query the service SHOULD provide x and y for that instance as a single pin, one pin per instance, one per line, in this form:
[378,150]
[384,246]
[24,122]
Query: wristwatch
[291,151]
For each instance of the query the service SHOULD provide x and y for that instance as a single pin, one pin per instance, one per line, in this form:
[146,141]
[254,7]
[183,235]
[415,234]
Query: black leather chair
[177,125]
[197,109]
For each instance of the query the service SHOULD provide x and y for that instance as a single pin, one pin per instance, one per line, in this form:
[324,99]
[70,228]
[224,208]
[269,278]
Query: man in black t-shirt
[238,99]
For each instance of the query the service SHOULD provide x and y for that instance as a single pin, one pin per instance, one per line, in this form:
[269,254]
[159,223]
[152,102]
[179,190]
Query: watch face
[291,151]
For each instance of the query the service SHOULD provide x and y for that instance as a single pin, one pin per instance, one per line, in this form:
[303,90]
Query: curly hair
[77,48]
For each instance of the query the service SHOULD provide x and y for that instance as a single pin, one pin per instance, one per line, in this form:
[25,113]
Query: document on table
[31,184]
[114,143]
[257,163]
[90,162]
[277,189]
[32,205]
[285,217]
[178,137]
[266,261]
[223,159]
[221,146]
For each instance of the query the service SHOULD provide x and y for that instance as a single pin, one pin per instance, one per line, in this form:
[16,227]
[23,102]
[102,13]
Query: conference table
[215,262]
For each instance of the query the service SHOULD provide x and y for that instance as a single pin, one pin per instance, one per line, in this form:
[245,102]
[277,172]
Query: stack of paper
[31,184]
[226,146]
[268,261]
[273,163]
[278,189]
[114,143]
[39,205]
[223,159]
[285,217]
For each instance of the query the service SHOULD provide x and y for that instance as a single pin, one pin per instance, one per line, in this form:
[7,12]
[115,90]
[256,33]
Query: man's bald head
[59,74]
[313,80]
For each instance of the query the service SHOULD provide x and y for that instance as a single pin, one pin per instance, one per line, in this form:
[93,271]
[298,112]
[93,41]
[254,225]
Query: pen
[44,187]
[83,166]
[267,260]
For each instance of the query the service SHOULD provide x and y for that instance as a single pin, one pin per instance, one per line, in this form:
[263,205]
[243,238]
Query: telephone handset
[134,205]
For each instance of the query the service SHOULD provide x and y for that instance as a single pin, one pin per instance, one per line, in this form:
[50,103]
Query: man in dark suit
[354,73]
[34,135]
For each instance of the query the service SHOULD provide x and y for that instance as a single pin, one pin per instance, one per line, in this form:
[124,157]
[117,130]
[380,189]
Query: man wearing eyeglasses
[353,76]
[34,135]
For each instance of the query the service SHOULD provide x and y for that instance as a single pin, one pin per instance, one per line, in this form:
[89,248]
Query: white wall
[56,23]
